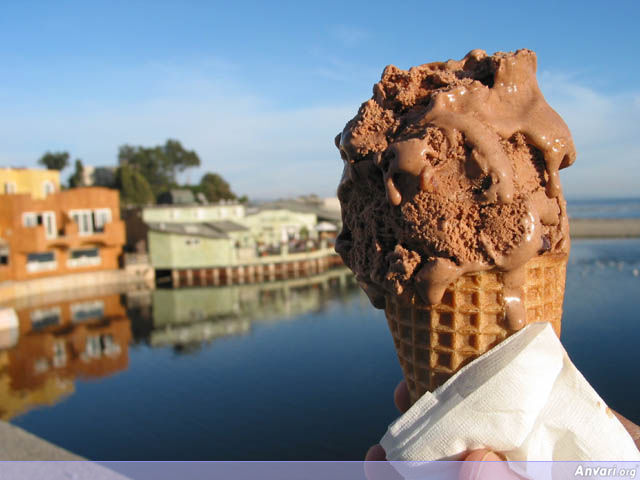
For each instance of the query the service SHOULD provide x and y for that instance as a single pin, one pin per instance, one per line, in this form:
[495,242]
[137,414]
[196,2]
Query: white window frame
[30,215]
[84,307]
[10,187]
[30,220]
[46,217]
[109,347]
[59,354]
[86,213]
[41,365]
[42,313]
[96,216]
[48,188]
[93,346]
[84,261]
[35,267]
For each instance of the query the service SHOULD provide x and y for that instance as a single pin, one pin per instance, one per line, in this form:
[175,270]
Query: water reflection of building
[83,337]
[189,316]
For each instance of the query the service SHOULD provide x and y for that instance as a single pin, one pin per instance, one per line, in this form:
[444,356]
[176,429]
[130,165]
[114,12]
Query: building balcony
[35,239]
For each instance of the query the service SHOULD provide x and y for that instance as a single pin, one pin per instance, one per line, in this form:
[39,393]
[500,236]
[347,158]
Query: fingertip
[375,454]
[483,464]
[376,466]
[482,455]
[401,397]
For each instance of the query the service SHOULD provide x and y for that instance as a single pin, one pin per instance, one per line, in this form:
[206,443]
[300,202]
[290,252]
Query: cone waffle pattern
[435,341]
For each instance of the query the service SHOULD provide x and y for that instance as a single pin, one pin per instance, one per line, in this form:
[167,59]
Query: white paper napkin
[524,399]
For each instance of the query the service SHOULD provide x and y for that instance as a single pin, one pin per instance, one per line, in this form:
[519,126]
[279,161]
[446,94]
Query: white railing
[35,267]
[84,262]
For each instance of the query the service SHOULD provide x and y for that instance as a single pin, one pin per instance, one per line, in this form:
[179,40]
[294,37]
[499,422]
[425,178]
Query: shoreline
[604,227]
[580,228]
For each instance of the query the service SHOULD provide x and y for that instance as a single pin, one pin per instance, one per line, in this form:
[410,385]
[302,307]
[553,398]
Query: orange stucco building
[72,231]
[34,181]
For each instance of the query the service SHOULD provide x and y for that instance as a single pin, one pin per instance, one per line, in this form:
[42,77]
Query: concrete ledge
[41,286]
[18,444]
[27,457]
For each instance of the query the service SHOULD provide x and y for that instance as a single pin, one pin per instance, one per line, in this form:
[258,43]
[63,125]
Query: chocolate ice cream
[452,168]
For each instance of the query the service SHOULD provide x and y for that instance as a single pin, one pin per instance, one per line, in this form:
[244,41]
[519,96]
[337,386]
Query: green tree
[134,188]
[179,158]
[126,154]
[148,162]
[76,180]
[159,165]
[55,160]
[216,188]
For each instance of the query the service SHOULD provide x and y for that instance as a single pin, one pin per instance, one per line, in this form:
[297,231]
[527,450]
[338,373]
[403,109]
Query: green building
[273,226]
[198,245]
[224,234]
[196,213]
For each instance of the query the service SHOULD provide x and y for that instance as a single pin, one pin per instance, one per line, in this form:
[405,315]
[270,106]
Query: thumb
[486,465]
[483,455]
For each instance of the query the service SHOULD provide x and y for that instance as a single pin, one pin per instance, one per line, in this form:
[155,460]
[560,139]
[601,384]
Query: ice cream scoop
[450,187]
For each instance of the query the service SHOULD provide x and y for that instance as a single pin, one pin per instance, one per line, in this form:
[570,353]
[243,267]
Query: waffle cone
[434,341]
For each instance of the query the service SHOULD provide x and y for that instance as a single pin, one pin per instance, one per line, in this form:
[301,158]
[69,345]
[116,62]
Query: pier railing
[259,269]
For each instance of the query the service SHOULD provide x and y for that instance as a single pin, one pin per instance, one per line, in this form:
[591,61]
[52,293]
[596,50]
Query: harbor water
[297,370]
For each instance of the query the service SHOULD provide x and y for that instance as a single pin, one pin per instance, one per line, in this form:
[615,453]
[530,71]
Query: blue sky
[259,89]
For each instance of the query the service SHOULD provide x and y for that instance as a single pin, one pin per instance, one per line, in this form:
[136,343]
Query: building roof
[195,204]
[321,212]
[188,229]
[177,197]
[227,226]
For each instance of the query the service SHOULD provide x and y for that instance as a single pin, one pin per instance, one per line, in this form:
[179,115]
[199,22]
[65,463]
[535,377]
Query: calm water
[302,370]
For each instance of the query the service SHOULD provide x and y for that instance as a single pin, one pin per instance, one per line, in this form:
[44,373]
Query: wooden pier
[264,271]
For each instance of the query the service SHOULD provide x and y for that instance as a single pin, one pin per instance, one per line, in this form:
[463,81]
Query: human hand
[403,402]
[479,464]
[482,463]
[632,428]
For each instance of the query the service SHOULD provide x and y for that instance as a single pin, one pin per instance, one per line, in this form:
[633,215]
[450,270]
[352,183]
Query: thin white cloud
[265,151]
[349,35]
[332,73]
[335,68]
[605,130]
[262,151]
